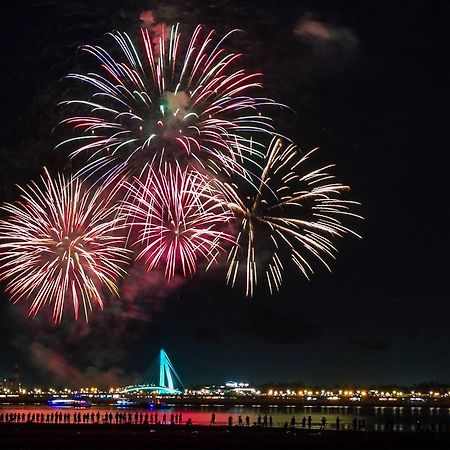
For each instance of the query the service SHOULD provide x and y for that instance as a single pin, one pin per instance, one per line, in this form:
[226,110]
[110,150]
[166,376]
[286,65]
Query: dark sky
[372,95]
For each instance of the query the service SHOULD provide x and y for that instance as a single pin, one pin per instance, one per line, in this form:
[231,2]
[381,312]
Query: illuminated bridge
[160,378]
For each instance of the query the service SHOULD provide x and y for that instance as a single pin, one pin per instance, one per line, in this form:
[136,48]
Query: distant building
[235,387]
[11,385]
[229,389]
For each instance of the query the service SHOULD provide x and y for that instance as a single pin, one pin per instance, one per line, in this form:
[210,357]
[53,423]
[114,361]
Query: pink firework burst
[62,242]
[184,99]
[177,218]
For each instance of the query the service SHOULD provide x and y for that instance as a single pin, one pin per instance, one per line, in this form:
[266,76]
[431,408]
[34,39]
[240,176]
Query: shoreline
[236,401]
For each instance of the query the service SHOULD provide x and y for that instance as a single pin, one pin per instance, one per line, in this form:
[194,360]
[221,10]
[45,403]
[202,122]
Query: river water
[404,418]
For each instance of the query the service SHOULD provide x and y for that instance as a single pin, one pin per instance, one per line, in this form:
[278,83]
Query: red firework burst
[177,216]
[60,243]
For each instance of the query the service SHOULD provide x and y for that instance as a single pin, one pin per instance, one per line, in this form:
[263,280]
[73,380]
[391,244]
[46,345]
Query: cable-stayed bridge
[160,378]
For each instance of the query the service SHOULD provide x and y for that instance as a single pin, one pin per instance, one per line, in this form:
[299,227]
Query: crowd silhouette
[176,419]
[108,417]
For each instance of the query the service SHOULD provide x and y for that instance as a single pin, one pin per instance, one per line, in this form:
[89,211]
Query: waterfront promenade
[36,429]
[37,436]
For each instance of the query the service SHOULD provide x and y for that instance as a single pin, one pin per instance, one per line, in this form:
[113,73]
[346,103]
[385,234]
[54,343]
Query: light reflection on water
[404,418]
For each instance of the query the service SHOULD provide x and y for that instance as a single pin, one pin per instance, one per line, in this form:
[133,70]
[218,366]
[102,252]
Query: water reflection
[378,418]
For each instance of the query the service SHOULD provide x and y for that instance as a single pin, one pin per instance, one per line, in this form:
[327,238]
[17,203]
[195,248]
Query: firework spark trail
[62,242]
[161,100]
[178,218]
[292,210]
[172,129]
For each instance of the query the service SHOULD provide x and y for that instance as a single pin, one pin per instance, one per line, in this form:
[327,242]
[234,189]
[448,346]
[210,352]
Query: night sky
[368,86]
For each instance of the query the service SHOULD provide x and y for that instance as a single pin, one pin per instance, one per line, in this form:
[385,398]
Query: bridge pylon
[161,378]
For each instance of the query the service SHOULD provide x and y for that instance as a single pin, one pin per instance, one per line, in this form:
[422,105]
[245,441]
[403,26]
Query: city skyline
[367,87]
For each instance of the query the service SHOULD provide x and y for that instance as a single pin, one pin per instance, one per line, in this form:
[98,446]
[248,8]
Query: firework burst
[290,210]
[156,101]
[61,243]
[171,128]
[177,218]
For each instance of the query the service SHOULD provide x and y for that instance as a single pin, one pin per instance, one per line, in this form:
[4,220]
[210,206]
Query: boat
[127,403]
[156,405]
[73,402]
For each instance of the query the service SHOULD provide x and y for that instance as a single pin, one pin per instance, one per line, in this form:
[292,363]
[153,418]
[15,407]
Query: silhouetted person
[270,421]
[292,422]
[265,420]
[304,422]
[309,422]
[247,421]
[338,423]
[172,419]
[230,421]
[189,422]
[180,418]
[259,420]
[323,423]
[213,419]
[240,420]
[164,418]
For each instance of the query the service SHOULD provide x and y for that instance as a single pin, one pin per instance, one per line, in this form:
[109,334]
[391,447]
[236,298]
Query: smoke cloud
[156,28]
[79,354]
[180,100]
[322,33]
